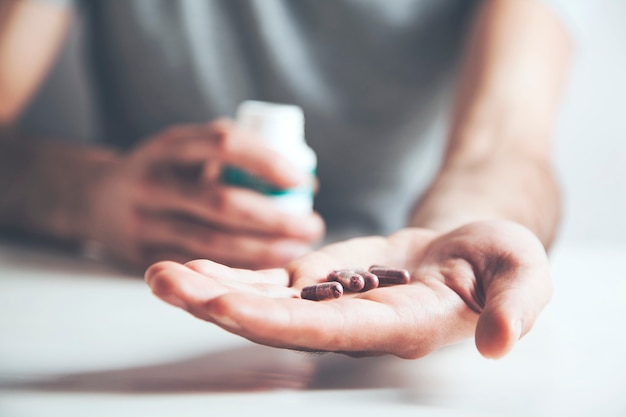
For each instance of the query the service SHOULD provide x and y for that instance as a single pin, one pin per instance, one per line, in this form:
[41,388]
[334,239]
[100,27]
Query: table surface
[82,338]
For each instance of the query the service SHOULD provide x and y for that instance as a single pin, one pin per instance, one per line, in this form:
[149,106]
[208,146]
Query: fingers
[221,141]
[275,276]
[517,287]
[509,267]
[197,240]
[511,308]
[401,321]
[406,320]
[188,213]
[167,278]
[235,209]
[500,271]
[275,320]
[498,330]
[183,286]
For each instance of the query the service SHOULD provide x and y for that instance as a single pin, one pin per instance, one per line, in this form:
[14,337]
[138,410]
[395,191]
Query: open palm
[490,279]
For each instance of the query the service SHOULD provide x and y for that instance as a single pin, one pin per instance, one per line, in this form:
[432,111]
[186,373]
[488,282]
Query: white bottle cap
[277,124]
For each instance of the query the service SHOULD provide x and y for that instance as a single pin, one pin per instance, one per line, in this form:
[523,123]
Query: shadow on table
[252,368]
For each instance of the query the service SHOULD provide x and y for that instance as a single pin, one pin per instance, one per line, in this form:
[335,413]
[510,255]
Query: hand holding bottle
[166,200]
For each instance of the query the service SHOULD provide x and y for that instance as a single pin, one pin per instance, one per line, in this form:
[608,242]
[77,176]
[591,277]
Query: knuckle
[219,307]
[223,201]
[222,137]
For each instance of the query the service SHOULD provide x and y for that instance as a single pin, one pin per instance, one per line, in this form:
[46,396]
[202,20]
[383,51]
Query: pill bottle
[280,127]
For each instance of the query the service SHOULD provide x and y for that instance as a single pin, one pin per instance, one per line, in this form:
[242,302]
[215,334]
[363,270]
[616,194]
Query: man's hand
[165,200]
[490,279]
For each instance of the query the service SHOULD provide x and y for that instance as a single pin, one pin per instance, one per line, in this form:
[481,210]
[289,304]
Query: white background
[590,141]
[591,135]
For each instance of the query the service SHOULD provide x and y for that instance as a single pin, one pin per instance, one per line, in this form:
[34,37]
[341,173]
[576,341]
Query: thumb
[513,301]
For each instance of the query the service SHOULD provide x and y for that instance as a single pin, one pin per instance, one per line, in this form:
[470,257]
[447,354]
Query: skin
[490,279]
[498,162]
[476,251]
[161,200]
[475,243]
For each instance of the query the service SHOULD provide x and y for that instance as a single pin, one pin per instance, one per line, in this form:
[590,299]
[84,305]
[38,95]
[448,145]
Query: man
[368,76]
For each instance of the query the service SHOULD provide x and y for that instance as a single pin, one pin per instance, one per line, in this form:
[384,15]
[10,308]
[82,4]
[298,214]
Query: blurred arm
[146,204]
[40,182]
[31,33]
[498,159]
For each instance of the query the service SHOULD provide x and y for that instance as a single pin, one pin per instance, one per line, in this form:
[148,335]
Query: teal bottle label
[240,178]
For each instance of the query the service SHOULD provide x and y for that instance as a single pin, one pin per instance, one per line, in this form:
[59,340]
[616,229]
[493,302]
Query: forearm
[498,160]
[46,188]
[508,187]
[31,33]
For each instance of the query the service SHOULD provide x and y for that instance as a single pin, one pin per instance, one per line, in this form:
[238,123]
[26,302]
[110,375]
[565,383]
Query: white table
[78,338]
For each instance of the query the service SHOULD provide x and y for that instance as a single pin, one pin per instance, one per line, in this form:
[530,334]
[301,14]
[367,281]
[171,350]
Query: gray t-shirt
[370,75]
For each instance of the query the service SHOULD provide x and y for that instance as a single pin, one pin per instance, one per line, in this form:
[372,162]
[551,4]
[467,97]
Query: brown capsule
[371,280]
[349,279]
[390,276]
[323,291]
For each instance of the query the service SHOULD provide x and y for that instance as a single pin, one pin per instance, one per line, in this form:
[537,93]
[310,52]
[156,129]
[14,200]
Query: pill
[323,291]
[349,279]
[371,280]
[390,276]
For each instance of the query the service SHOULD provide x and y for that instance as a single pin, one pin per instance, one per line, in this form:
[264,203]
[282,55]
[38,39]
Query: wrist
[102,165]
[45,188]
[508,186]
[68,181]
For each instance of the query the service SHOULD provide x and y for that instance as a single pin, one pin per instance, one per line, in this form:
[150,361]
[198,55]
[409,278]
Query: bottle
[281,127]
